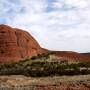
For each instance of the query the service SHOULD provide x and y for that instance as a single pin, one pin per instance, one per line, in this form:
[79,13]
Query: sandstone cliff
[16,44]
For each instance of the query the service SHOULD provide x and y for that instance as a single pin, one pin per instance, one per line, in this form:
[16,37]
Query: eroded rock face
[16,44]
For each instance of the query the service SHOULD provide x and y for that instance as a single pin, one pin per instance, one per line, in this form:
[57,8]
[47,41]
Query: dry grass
[55,80]
[19,82]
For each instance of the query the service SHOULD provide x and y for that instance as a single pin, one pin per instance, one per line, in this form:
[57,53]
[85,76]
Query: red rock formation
[16,44]
[72,56]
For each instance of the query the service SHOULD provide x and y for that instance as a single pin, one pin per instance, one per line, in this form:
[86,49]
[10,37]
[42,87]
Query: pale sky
[62,25]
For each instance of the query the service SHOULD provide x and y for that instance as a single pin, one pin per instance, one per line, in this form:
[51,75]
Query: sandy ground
[19,82]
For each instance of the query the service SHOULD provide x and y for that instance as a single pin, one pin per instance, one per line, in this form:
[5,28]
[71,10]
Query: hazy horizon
[60,25]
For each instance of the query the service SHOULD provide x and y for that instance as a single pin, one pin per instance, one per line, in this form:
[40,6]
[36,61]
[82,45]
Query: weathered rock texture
[16,44]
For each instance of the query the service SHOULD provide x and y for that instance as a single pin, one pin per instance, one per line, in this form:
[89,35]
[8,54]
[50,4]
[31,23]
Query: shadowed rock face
[16,44]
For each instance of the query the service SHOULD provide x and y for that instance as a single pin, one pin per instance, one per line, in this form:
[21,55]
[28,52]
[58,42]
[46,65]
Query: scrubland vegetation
[38,73]
[40,67]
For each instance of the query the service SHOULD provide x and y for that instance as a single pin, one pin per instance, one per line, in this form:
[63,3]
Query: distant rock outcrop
[72,56]
[16,44]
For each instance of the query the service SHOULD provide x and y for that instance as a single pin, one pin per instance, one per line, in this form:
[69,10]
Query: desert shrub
[38,69]
[83,64]
[85,71]
[34,57]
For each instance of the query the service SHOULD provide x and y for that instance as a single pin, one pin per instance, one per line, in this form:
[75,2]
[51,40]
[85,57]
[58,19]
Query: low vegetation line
[44,68]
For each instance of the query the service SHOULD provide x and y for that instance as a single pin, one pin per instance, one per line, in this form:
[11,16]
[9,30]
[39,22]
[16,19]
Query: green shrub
[38,69]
